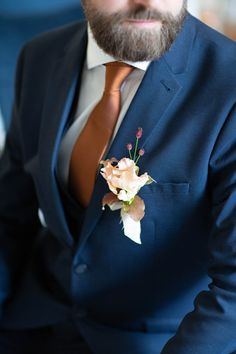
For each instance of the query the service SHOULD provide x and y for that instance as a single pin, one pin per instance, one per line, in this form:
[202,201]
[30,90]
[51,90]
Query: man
[71,281]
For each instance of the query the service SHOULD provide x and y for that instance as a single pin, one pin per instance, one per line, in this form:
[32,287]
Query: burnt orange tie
[95,137]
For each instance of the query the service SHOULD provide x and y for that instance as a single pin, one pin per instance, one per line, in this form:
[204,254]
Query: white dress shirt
[91,90]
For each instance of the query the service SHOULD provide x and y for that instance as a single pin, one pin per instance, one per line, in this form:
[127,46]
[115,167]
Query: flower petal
[116,206]
[112,201]
[132,229]
[136,209]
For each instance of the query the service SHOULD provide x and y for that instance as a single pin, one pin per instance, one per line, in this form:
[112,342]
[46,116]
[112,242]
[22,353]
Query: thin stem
[136,147]
[137,159]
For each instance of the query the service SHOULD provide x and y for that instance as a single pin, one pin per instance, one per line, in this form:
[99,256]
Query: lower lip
[144,24]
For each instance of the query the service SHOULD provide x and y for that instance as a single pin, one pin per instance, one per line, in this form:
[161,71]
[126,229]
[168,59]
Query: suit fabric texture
[176,292]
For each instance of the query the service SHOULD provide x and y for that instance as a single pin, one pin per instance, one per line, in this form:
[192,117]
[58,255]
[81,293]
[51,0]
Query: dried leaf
[112,201]
[136,209]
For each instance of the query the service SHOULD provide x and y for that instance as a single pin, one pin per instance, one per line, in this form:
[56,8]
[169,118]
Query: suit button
[81,268]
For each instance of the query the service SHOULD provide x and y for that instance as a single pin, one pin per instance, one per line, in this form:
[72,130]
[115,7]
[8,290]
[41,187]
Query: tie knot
[116,73]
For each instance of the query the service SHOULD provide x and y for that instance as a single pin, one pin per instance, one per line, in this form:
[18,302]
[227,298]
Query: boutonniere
[124,183]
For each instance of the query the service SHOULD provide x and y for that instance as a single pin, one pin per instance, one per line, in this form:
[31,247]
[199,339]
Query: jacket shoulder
[211,37]
[214,57]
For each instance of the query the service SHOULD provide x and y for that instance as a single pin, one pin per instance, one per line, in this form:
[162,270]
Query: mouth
[144,23]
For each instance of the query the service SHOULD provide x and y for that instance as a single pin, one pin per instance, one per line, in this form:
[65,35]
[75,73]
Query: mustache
[143,13]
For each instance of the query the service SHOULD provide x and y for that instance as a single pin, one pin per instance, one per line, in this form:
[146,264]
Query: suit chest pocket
[166,209]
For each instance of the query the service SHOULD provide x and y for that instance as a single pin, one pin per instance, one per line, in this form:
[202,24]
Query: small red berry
[139,133]
[129,147]
[141,152]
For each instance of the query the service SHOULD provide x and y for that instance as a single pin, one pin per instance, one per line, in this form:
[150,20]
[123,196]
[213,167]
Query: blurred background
[21,20]
[219,14]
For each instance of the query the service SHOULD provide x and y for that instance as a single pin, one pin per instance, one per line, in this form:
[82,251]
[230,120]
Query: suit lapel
[59,98]
[156,93]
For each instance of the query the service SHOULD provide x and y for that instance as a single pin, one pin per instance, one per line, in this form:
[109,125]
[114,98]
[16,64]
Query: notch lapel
[59,98]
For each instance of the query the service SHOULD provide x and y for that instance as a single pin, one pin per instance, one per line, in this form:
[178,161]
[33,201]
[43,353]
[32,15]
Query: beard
[127,42]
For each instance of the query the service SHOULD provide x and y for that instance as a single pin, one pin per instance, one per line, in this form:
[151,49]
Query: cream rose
[122,178]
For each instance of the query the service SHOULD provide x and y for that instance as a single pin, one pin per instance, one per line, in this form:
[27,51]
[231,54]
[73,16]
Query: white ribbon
[132,228]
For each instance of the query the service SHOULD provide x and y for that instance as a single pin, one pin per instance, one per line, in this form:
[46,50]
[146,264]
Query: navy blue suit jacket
[175,293]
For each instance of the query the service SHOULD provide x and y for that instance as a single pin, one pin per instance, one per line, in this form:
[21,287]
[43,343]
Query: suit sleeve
[211,327]
[18,204]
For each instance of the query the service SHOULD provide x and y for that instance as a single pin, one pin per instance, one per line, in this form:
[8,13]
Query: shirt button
[81,268]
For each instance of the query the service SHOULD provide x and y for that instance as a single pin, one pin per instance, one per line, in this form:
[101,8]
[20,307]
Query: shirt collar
[96,56]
